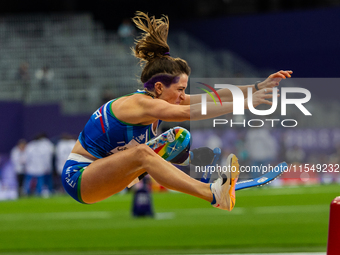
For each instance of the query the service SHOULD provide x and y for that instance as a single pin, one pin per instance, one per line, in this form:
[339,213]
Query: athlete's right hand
[274,79]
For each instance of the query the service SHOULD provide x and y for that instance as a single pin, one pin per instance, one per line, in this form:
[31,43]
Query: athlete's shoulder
[143,98]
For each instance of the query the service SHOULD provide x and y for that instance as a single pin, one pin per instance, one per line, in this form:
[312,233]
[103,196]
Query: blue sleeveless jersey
[104,134]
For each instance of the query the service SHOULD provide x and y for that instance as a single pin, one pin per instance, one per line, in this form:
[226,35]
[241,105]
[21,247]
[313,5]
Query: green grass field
[264,220]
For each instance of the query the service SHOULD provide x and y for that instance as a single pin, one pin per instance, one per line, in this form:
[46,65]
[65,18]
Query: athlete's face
[175,93]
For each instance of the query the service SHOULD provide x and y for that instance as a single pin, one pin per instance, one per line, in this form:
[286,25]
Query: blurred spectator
[24,77]
[47,147]
[62,151]
[23,72]
[45,76]
[39,153]
[334,161]
[241,151]
[19,162]
[295,155]
[330,176]
[126,32]
[214,141]
[262,148]
[34,177]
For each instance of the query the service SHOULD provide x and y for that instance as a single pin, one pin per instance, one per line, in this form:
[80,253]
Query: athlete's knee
[144,151]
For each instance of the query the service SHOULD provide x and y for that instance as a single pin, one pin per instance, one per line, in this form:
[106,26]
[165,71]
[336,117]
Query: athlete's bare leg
[107,176]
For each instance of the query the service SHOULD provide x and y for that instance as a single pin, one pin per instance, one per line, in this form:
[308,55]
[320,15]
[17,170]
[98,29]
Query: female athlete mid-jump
[119,142]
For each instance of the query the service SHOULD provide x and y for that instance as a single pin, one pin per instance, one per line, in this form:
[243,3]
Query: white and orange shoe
[223,188]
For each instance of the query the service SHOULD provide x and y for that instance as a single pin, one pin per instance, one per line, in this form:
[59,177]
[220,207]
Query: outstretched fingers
[281,74]
[267,94]
[274,79]
[265,101]
[265,91]
[263,96]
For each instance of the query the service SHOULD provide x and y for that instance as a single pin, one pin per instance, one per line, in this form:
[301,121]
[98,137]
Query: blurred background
[61,60]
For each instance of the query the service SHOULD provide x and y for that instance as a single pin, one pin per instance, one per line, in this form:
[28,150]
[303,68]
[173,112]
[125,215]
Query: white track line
[55,216]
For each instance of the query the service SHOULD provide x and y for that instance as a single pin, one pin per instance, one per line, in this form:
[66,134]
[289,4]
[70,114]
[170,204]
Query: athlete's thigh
[107,176]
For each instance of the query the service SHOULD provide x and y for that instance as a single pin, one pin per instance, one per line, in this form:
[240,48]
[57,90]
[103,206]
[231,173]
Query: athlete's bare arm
[272,81]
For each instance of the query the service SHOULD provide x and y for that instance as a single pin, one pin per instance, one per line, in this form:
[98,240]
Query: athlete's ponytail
[154,52]
[153,42]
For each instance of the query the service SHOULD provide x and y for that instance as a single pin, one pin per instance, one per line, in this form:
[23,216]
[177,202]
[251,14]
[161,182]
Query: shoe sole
[232,177]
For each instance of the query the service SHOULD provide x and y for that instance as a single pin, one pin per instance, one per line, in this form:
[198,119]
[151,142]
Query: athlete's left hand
[274,79]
